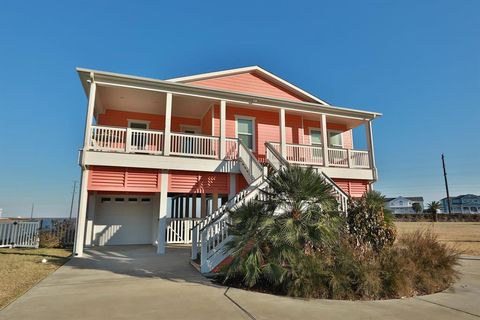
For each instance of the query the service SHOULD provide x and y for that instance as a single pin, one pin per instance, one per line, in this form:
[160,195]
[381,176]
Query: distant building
[401,205]
[466,203]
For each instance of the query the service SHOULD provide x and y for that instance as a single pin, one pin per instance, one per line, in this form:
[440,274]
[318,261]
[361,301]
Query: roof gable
[251,80]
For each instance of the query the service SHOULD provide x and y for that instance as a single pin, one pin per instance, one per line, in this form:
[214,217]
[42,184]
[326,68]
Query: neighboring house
[402,205]
[467,203]
[161,155]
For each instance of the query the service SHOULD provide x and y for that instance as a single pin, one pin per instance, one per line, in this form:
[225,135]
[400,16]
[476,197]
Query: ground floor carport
[133,282]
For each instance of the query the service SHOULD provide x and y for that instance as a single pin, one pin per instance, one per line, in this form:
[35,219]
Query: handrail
[252,159]
[277,154]
[338,189]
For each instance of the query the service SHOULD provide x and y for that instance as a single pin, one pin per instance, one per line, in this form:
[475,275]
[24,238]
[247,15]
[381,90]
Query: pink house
[163,160]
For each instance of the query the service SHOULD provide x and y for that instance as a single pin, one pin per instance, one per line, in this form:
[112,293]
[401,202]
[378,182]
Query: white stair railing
[249,165]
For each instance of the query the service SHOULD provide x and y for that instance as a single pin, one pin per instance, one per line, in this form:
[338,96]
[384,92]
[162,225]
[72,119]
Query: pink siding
[157,122]
[355,188]
[207,123]
[123,179]
[249,83]
[198,182]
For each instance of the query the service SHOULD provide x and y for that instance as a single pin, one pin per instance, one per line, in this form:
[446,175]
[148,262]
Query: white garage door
[123,220]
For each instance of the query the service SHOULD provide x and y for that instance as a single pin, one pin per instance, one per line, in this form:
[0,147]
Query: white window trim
[310,135]
[341,138]
[184,127]
[139,121]
[254,136]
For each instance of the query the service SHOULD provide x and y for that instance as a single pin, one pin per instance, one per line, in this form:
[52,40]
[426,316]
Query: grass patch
[20,269]
[464,236]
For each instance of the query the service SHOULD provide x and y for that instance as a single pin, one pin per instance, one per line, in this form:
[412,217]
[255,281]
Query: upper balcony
[151,142]
[148,123]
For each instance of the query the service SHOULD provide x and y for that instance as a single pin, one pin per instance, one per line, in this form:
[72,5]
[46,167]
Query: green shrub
[49,240]
[367,223]
[294,244]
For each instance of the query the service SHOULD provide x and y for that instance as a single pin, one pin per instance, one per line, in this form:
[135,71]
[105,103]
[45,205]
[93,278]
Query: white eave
[176,86]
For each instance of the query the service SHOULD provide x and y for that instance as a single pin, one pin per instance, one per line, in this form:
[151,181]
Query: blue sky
[417,62]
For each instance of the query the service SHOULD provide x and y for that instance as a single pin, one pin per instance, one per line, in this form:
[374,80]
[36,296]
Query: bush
[294,244]
[49,240]
[367,223]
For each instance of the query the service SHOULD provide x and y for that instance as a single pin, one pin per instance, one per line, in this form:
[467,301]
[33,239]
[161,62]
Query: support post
[194,205]
[233,186]
[324,140]
[214,201]
[90,220]
[162,213]
[90,110]
[371,149]
[82,214]
[168,121]
[283,134]
[223,117]
[203,208]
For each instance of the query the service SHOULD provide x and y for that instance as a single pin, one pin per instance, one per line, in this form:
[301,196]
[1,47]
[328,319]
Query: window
[316,137]
[473,209]
[105,200]
[119,199]
[245,132]
[400,203]
[132,199]
[335,139]
[145,199]
[138,124]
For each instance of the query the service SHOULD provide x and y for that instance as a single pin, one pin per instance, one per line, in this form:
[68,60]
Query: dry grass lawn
[464,236]
[20,269]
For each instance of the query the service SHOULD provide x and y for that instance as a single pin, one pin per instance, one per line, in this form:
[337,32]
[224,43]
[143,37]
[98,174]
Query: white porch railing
[104,138]
[313,155]
[359,159]
[19,234]
[338,157]
[179,230]
[184,144]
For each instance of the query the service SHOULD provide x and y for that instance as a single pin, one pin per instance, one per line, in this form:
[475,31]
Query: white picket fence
[179,230]
[19,234]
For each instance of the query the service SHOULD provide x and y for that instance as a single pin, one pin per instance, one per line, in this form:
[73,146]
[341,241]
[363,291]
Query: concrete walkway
[134,283]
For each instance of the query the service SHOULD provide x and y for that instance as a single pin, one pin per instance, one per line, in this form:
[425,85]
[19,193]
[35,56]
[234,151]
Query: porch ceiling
[133,100]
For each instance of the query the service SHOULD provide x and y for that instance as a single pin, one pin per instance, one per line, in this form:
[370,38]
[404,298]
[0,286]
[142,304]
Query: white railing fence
[184,144]
[179,230]
[104,138]
[19,234]
[359,159]
[144,141]
[338,157]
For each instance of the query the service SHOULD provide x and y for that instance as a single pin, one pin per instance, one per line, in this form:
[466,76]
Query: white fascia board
[141,83]
[348,173]
[114,159]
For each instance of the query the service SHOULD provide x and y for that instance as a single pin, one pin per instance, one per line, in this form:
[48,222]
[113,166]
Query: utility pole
[446,184]
[73,197]
[31,212]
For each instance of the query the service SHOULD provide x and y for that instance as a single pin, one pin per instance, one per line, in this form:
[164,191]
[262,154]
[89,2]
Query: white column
[90,110]
[162,213]
[283,135]
[325,140]
[90,220]
[82,214]
[223,117]
[371,149]
[233,186]
[168,121]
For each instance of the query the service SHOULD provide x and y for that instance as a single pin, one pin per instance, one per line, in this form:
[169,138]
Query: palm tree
[433,208]
[271,237]
[416,207]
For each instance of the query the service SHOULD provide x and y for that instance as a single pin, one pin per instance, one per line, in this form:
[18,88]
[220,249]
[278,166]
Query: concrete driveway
[132,282]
